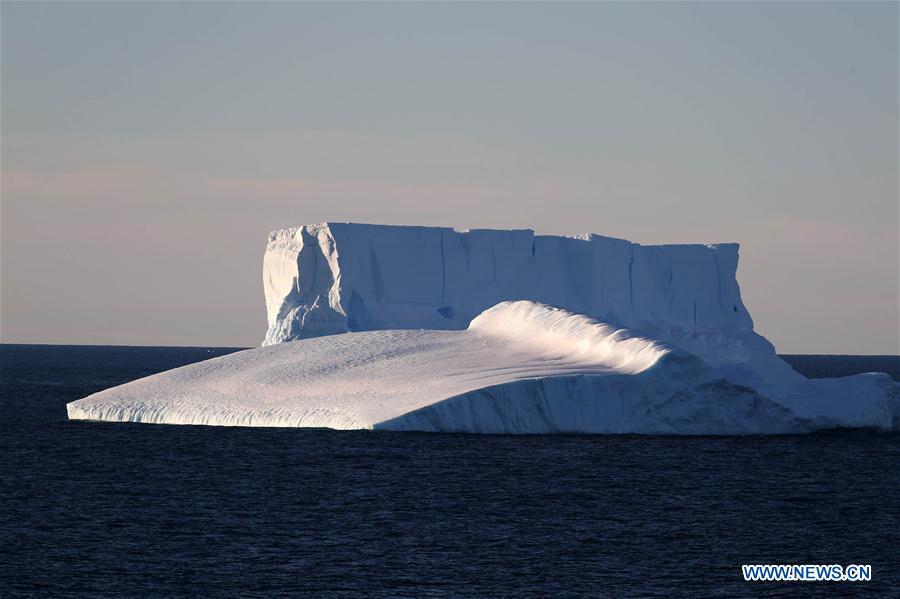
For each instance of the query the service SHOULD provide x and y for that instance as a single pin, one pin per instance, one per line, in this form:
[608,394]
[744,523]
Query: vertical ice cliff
[334,278]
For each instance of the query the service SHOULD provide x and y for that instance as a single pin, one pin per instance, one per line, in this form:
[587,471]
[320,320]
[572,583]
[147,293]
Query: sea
[138,510]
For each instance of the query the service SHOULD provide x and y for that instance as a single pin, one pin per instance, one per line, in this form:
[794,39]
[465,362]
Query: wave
[552,331]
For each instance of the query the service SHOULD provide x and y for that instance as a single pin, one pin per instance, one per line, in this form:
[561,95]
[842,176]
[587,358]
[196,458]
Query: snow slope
[520,367]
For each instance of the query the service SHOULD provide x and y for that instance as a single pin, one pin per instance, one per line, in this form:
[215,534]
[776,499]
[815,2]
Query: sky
[148,148]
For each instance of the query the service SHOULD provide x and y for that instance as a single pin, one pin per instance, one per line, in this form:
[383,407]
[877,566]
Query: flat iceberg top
[520,367]
[334,278]
[290,232]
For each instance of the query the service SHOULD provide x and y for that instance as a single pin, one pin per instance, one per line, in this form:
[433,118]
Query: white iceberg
[393,328]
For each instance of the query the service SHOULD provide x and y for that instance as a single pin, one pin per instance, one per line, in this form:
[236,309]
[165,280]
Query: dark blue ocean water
[101,509]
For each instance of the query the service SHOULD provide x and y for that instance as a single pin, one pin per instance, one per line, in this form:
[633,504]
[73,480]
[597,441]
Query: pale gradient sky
[147,149]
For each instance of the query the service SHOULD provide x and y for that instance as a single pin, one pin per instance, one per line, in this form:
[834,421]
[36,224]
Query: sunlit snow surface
[520,367]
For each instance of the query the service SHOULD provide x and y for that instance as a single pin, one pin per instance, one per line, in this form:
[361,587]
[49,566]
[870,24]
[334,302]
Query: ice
[339,277]
[519,367]
[334,278]
[425,328]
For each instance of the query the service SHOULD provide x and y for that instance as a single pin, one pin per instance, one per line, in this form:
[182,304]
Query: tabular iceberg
[430,329]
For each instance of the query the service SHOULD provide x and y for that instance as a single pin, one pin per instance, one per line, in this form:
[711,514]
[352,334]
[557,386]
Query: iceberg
[430,329]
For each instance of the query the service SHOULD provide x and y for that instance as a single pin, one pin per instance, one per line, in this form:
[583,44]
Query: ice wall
[333,278]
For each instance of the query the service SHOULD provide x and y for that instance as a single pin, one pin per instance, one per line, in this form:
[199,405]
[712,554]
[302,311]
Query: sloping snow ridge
[520,367]
[431,329]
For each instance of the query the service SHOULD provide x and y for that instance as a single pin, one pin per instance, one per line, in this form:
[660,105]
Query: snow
[519,367]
